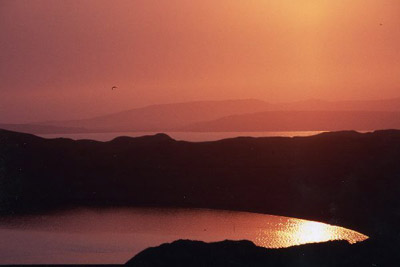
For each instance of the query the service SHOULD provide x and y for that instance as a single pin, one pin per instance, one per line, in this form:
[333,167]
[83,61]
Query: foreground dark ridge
[245,253]
[343,178]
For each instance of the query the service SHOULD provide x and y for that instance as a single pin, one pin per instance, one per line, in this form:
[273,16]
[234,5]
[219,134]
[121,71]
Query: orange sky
[59,59]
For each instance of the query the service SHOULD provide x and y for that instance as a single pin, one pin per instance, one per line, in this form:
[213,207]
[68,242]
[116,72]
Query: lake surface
[186,136]
[116,235]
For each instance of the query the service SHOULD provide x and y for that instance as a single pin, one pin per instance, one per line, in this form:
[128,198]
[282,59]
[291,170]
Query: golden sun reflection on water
[298,232]
[120,233]
[313,232]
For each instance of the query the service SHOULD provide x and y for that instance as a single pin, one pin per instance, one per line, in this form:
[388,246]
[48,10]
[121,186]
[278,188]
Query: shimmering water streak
[292,232]
[115,235]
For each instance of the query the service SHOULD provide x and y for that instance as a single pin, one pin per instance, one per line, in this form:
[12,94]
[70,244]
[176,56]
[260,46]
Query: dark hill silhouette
[343,178]
[301,121]
[245,253]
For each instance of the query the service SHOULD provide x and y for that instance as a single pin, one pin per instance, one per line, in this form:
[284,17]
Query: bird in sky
[114,87]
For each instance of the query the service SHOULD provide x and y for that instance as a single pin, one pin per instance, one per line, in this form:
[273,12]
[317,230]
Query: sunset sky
[59,59]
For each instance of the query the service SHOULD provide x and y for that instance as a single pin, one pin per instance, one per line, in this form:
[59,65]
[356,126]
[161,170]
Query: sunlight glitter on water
[115,235]
[298,232]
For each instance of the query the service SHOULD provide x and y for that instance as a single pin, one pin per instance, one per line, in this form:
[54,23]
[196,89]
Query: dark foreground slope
[343,178]
[245,253]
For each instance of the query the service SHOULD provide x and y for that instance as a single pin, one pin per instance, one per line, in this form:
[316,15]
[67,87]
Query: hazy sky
[59,59]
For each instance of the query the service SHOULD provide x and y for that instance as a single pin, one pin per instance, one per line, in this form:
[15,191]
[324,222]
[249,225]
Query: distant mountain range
[42,129]
[234,115]
[166,117]
[300,121]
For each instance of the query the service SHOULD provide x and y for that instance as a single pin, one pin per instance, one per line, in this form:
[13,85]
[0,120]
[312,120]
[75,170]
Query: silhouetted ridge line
[160,137]
[343,178]
[246,253]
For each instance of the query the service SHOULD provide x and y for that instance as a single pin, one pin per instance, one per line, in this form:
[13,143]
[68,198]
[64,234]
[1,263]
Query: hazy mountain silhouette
[182,116]
[343,178]
[301,121]
[323,105]
[42,129]
[166,116]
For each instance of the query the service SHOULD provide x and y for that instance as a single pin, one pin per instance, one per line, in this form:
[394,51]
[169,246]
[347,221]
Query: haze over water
[116,235]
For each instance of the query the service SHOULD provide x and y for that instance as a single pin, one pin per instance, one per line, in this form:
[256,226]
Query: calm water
[186,136]
[114,236]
